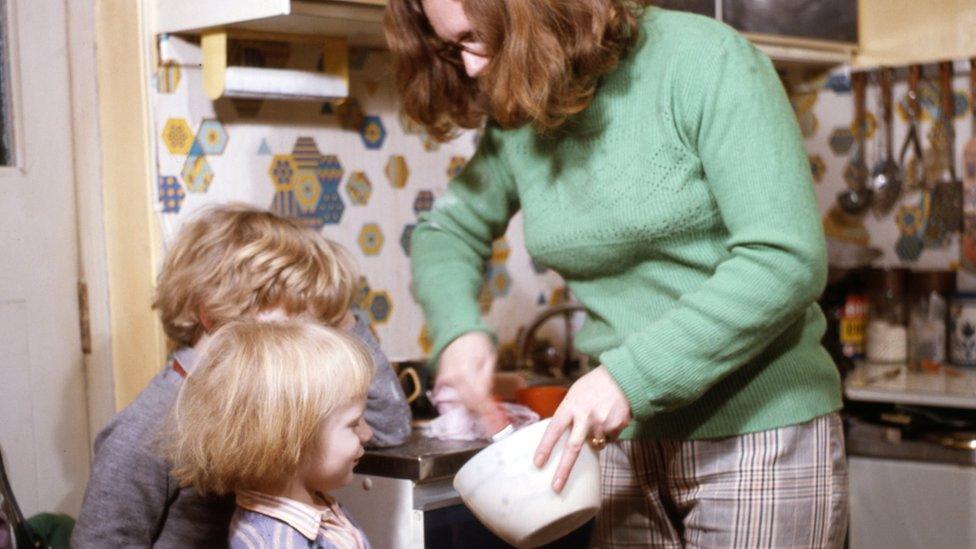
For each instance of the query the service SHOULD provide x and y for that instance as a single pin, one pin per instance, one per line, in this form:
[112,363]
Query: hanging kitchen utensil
[886,177]
[858,196]
[946,214]
[968,240]
[911,158]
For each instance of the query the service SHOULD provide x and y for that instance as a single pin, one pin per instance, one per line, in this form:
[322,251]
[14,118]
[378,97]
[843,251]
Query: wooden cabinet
[359,21]
[811,32]
[904,32]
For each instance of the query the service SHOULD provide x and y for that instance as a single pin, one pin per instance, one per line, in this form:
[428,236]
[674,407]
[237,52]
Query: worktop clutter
[900,222]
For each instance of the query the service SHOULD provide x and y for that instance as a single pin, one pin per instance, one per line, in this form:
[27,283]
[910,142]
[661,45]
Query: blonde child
[274,414]
[228,263]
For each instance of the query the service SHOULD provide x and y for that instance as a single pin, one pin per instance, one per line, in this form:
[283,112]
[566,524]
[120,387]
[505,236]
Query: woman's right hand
[467,365]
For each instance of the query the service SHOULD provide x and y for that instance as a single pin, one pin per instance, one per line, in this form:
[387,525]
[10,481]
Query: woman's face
[451,24]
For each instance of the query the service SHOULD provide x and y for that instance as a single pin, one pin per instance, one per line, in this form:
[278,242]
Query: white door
[43,419]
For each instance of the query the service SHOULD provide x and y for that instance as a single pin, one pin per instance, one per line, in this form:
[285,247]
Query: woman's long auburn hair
[546,58]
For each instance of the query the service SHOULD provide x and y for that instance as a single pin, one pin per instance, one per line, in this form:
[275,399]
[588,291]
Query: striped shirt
[272,521]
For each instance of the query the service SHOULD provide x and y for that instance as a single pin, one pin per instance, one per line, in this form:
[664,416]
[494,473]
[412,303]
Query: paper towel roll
[257,83]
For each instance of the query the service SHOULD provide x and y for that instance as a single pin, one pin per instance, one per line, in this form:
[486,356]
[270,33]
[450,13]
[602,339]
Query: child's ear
[348,321]
[204,319]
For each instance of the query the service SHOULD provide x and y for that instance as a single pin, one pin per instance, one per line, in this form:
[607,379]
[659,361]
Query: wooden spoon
[969,182]
[858,196]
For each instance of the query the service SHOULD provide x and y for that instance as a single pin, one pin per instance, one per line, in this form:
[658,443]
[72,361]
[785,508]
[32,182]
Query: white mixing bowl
[515,499]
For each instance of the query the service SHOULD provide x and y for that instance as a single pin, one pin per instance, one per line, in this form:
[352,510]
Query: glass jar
[928,309]
[887,340]
[962,330]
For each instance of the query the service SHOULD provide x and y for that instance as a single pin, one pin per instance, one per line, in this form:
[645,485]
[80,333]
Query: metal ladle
[858,196]
[886,178]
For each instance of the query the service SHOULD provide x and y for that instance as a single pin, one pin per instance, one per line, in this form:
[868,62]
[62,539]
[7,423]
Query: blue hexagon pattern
[171,194]
[424,202]
[499,281]
[329,170]
[380,306]
[212,137]
[372,132]
[405,237]
[327,211]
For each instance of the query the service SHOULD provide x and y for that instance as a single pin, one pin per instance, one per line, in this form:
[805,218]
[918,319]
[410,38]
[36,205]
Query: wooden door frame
[114,166]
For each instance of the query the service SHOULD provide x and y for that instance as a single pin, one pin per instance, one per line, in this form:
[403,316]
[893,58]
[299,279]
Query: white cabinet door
[43,419]
[908,504]
[383,508]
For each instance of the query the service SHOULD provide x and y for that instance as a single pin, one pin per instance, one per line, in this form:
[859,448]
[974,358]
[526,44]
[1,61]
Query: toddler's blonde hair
[256,399]
[233,261]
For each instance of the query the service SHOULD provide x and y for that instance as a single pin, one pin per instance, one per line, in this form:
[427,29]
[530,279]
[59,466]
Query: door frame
[130,341]
[118,236]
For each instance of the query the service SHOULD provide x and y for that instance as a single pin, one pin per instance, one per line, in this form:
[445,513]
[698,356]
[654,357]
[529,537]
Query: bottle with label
[853,325]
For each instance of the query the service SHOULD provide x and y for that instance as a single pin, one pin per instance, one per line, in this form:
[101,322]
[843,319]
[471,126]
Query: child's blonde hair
[256,400]
[234,260]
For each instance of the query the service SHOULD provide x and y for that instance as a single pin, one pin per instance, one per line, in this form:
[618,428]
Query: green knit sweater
[680,210]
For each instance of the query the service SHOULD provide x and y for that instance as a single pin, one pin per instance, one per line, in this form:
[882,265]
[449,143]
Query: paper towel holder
[221,80]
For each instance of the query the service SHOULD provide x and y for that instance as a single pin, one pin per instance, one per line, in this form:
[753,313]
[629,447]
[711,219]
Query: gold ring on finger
[598,442]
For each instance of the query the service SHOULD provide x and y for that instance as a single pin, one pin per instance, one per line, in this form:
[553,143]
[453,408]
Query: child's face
[339,447]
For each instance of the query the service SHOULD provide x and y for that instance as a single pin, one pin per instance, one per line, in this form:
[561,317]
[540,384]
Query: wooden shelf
[790,51]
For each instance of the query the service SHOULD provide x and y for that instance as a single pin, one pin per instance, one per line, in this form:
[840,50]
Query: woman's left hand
[594,408]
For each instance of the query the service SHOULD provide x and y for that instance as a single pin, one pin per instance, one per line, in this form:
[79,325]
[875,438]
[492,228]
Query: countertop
[873,441]
[421,459]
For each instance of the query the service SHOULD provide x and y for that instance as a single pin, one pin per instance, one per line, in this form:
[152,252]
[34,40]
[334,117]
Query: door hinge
[84,318]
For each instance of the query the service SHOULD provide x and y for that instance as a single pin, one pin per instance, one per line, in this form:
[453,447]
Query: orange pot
[542,399]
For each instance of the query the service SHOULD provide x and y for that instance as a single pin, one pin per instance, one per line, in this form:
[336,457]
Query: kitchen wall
[356,172]
[825,111]
[359,173]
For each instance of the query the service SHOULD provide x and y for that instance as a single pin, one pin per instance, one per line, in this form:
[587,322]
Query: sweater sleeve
[387,411]
[130,489]
[733,110]
[452,242]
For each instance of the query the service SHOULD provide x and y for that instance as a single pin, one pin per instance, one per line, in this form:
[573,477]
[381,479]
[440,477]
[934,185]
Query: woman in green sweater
[659,169]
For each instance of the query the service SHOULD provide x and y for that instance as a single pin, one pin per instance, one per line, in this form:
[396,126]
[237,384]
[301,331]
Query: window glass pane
[6,125]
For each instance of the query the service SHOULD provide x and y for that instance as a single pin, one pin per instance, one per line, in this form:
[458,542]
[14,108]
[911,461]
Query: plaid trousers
[780,488]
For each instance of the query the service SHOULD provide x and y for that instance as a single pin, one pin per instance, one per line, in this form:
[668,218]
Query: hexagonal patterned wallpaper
[360,173]
[359,188]
[356,170]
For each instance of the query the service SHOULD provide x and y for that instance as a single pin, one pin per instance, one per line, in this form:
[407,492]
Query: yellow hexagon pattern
[371,239]
[282,172]
[307,190]
[397,171]
[178,136]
